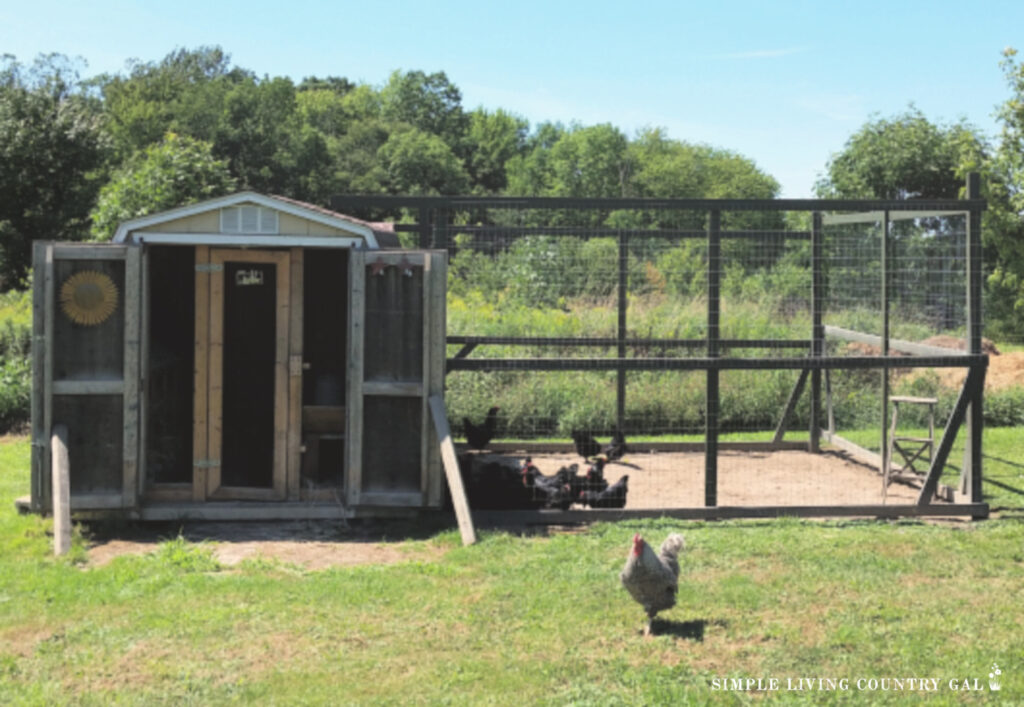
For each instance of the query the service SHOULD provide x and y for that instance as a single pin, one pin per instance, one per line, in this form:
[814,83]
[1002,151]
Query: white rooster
[652,580]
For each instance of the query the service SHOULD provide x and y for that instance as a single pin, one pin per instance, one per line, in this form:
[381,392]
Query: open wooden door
[242,409]
[396,361]
[85,358]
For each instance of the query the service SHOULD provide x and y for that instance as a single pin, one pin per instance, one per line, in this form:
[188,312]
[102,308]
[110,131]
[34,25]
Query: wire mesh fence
[749,353]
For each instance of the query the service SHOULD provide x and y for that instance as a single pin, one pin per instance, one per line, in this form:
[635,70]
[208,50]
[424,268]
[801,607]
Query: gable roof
[375,235]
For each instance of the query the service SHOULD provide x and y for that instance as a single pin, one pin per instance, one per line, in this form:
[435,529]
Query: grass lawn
[523,620]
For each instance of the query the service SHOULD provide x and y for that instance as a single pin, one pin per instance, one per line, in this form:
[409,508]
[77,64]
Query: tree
[177,171]
[903,157]
[1004,188]
[183,93]
[416,162]
[52,154]
[429,102]
[493,140]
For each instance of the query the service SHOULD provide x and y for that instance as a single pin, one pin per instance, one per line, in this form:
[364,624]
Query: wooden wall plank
[144,316]
[130,397]
[48,313]
[215,374]
[437,329]
[354,403]
[295,354]
[282,411]
[200,412]
[40,344]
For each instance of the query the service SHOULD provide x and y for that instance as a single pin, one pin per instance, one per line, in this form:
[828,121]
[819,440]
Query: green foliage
[15,359]
[52,154]
[904,157]
[416,162]
[1004,188]
[175,172]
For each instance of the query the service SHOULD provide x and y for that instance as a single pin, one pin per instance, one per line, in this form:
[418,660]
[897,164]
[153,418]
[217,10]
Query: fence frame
[432,230]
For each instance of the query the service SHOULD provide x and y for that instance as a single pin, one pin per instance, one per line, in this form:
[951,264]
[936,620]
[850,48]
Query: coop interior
[248,387]
[689,330]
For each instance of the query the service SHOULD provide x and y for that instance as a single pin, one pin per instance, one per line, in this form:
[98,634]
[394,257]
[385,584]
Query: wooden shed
[247,357]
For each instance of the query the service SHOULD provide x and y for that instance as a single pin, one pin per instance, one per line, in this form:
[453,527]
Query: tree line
[79,154]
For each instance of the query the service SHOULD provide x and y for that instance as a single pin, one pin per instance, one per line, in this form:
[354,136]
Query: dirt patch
[951,342]
[780,478]
[1005,371]
[312,545]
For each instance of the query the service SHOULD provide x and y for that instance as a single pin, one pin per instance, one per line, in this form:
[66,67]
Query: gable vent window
[248,219]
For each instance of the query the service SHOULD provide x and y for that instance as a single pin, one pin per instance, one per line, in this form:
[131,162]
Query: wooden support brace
[61,490]
[798,389]
[451,470]
[975,378]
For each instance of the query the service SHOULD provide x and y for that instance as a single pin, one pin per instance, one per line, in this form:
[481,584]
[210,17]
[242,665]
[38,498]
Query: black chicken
[586,445]
[612,497]
[479,436]
[617,448]
[555,491]
[594,479]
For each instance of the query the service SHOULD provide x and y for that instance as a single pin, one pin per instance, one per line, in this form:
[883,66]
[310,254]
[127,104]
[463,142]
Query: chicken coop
[760,357]
[246,357]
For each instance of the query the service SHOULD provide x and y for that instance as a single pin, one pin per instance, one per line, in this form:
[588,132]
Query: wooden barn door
[241,418]
[396,361]
[86,304]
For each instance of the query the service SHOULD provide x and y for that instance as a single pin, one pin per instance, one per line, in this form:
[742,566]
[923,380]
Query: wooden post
[620,384]
[972,446]
[817,330]
[713,336]
[451,470]
[61,470]
[885,352]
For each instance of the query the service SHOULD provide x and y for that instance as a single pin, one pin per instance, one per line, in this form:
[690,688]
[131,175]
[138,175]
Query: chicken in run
[588,447]
[555,491]
[479,436]
[653,579]
[613,496]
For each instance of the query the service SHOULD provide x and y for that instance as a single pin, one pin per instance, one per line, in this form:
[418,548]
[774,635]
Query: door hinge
[209,267]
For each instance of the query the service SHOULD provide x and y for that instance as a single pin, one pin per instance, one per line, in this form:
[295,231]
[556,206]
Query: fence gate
[86,371]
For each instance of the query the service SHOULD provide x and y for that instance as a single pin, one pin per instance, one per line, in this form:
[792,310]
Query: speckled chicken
[652,580]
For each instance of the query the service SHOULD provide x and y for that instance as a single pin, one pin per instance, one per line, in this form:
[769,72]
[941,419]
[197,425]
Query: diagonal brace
[794,396]
[975,378]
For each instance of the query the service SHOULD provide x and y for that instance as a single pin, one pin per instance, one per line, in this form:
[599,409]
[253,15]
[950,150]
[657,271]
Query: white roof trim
[247,197]
[249,241]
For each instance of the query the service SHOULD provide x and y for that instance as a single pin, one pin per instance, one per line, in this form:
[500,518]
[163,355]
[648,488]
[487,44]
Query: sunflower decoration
[88,297]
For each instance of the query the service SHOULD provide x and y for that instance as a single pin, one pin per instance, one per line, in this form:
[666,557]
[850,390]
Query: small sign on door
[248,277]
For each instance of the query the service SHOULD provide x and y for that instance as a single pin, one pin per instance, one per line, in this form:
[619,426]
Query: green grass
[1002,461]
[513,620]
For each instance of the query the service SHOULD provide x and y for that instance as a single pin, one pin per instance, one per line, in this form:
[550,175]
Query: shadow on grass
[690,630]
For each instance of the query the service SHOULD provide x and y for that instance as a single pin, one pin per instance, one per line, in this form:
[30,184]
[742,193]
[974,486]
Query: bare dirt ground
[656,480]
[782,478]
[309,544]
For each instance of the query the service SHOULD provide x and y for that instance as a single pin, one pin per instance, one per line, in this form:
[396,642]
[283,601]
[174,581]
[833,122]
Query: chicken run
[250,357]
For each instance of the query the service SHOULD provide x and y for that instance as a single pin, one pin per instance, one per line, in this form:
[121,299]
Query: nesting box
[244,357]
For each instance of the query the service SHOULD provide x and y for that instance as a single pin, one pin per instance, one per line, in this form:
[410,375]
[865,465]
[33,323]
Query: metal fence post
[713,336]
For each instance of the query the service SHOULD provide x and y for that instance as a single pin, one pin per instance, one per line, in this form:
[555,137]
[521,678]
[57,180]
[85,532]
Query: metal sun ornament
[88,297]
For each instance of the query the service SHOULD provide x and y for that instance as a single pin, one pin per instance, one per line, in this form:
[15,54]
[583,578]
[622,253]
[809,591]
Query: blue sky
[784,83]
